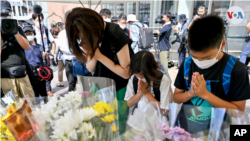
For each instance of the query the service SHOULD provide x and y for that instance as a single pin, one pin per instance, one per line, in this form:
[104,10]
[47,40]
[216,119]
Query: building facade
[147,12]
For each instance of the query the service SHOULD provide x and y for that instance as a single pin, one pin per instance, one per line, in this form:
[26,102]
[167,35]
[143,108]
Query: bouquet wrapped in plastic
[90,113]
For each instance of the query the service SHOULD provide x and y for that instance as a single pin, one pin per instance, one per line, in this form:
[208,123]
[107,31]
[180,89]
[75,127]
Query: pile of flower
[176,133]
[67,119]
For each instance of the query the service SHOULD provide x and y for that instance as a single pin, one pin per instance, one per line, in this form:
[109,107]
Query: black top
[119,40]
[193,117]
[12,53]
[164,43]
[239,86]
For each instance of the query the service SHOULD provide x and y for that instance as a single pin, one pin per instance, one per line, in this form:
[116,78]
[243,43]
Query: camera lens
[8,26]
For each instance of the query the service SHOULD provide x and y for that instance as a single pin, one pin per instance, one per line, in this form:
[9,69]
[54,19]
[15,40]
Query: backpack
[79,68]
[156,90]
[196,117]
[145,37]
[226,77]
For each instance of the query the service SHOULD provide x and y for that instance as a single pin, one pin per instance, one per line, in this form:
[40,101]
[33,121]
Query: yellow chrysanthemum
[102,108]
[113,128]
[5,133]
[108,118]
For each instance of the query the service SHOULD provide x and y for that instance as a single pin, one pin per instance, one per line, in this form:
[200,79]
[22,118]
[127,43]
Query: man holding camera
[164,44]
[182,49]
[13,62]
[201,12]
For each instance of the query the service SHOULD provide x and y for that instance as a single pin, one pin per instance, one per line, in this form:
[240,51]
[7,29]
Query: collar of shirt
[167,23]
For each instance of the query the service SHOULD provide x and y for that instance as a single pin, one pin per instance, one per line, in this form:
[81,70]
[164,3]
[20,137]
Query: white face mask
[207,63]
[38,25]
[107,20]
[144,80]
[123,27]
[30,37]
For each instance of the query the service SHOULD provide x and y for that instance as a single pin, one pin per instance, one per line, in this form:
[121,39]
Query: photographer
[165,32]
[182,49]
[246,51]
[47,38]
[201,11]
[13,63]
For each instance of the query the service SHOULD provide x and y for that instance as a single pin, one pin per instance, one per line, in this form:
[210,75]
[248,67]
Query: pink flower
[85,94]
[24,136]
[35,127]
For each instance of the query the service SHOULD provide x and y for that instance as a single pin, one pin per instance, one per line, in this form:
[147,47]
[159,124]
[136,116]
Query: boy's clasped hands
[198,86]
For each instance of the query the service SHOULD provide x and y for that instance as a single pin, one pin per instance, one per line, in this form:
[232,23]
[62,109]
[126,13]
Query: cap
[27,28]
[114,19]
[5,5]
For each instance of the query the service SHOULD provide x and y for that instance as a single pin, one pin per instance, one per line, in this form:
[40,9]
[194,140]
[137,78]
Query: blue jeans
[182,56]
[245,52]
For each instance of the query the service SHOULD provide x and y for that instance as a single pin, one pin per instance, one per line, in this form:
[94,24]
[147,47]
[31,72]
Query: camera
[175,19]
[177,39]
[159,19]
[8,26]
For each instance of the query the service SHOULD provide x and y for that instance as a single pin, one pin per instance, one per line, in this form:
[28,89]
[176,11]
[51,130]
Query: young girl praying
[147,85]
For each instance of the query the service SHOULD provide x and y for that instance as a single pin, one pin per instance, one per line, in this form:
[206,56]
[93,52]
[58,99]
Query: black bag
[145,37]
[247,38]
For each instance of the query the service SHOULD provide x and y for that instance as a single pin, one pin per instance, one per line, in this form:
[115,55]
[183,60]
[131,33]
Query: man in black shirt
[210,78]
[122,23]
[13,64]
[165,33]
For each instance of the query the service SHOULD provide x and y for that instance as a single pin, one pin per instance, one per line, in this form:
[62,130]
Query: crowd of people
[209,78]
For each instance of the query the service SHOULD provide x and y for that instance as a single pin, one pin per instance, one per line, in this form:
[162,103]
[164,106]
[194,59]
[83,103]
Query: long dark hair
[144,62]
[90,25]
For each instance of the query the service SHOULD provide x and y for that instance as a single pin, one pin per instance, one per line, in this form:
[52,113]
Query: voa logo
[235,15]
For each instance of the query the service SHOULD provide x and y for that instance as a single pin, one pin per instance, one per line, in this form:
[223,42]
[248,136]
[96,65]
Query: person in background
[201,12]
[32,55]
[165,33]
[147,84]
[67,56]
[60,25]
[13,58]
[47,38]
[210,78]
[91,43]
[106,14]
[246,51]
[52,25]
[134,27]
[122,21]
[59,56]
[184,25]
[114,20]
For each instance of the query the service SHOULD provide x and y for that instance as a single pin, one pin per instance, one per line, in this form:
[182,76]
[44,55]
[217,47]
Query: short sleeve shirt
[13,54]
[193,117]
[119,40]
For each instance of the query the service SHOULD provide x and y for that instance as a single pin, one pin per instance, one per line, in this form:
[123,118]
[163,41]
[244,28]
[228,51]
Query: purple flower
[85,94]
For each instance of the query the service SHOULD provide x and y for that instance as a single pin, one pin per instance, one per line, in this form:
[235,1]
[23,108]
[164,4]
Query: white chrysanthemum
[85,114]
[65,127]
[87,131]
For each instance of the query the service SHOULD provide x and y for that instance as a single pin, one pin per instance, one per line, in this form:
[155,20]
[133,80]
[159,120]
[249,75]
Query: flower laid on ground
[85,94]
[102,108]
[5,133]
[85,114]
[87,131]
[108,118]
[176,133]
[113,128]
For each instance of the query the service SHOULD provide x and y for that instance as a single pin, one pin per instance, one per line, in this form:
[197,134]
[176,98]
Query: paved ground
[64,90]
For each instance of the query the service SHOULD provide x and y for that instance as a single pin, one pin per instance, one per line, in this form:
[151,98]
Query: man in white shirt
[47,39]
[67,55]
